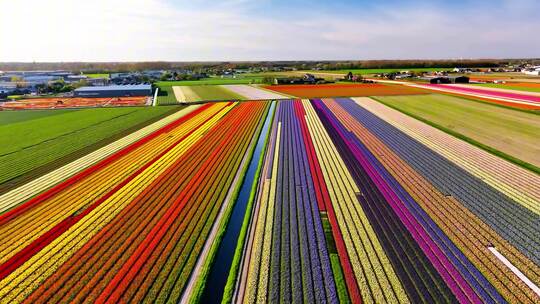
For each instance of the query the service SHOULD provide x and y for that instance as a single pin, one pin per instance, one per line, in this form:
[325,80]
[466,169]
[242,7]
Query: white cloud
[121,30]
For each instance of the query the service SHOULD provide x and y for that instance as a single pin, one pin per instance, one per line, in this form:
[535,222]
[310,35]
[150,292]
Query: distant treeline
[396,64]
[96,67]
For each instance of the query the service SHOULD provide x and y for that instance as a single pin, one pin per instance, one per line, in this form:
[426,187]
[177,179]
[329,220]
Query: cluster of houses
[525,69]
[28,82]
[305,79]
[458,75]
[533,71]
[114,84]
[133,78]
[439,77]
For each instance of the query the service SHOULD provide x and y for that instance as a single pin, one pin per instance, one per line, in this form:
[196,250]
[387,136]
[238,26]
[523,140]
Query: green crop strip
[469,140]
[30,144]
[343,293]
[339,278]
[509,86]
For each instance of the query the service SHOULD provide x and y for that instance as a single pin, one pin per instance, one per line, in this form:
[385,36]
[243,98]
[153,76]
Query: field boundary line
[515,270]
[461,94]
[154,101]
[502,90]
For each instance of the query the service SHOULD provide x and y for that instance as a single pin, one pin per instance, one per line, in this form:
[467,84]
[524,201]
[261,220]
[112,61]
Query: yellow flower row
[24,229]
[17,196]
[19,284]
[258,275]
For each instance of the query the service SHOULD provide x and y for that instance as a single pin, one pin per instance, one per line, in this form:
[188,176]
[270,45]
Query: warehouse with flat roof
[114,91]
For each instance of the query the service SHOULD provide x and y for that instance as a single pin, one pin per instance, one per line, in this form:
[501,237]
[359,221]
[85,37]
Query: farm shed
[447,80]
[460,79]
[114,91]
[440,80]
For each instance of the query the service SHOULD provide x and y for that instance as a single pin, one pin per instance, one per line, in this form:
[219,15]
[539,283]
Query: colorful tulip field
[344,90]
[73,102]
[352,202]
[130,227]
[414,220]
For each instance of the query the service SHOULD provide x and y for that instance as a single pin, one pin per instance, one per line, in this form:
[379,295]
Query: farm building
[459,79]
[532,72]
[114,91]
[447,80]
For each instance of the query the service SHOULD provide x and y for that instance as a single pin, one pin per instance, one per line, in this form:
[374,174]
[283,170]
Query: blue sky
[181,30]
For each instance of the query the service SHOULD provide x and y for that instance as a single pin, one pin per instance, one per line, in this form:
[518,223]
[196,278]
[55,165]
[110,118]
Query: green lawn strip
[509,86]
[166,96]
[210,81]
[343,293]
[487,148]
[339,278]
[59,162]
[23,135]
[10,117]
[228,292]
[15,97]
[214,92]
[200,285]
[330,242]
[513,132]
[52,143]
[97,75]
[472,98]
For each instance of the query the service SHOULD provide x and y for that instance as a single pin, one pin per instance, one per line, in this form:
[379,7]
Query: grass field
[512,86]
[97,75]
[212,92]
[11,97]
[9,117]
[166,95]
[512,132]
[212,81]
[34,140]
[196,93]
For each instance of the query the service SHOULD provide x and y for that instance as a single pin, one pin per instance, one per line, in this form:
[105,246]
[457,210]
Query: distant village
[67,83]
[459,75]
